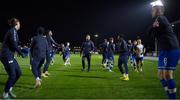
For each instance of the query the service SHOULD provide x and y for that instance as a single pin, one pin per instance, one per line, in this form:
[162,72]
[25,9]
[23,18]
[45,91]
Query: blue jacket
[10,44]
[122,48]
[104,47]
[130,47]
[51,41]
[111,48]
[87,47]
[165,35]
[66,51]
[39,47]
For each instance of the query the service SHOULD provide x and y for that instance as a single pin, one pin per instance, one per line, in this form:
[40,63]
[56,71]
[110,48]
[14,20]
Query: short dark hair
[13,22]
[105,40]
[40,30]
[47,32]
[111,38]
[121,35]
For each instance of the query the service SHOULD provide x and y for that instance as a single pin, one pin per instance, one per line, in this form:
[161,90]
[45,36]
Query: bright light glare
[96,35]
[157,3]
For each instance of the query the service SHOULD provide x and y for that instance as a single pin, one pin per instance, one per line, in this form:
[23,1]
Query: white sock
[65,63]
[37,78]
[127,75]
[10,89]
[5,95]
[124,75]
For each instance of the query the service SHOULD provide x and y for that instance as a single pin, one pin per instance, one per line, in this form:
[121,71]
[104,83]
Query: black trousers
[36,66]
[48,61]
[88,56]
[104,58]
[14,72]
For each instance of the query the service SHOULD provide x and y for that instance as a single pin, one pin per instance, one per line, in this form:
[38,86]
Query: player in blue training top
[66,54]
[130,45]
[134,55]
[9,47]
[110,54]
[50,55]
[169,51]
[103,48]
[39,50]
[123,57]
[86,50]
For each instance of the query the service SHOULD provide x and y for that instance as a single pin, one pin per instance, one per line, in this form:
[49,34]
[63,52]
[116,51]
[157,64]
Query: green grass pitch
[71,83]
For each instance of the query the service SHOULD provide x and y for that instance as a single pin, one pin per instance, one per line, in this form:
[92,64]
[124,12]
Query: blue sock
[126,68]
[172,88]
[121,69]
[165,85]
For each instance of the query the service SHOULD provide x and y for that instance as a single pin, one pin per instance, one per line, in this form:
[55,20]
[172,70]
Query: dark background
[71,20]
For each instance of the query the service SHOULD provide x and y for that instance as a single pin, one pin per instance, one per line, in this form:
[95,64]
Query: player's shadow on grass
[87,76]
[2,83]
[25,86]
[65,70]
[27,75]
[4,74]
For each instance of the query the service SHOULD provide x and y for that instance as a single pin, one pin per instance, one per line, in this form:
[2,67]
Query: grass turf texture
[71,83]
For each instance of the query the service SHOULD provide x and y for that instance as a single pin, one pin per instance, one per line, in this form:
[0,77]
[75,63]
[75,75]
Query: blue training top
[39,47]
[66,51]
[122,48]
[167,39]
[51,41]
[87,47]
[104,47]
[10,44]
[111,48]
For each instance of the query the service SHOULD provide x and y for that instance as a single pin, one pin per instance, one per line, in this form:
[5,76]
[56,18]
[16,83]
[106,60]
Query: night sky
[71,20]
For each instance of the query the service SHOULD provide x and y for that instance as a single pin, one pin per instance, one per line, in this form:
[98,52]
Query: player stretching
[104,50]
[130,45]
[140,50]
[134,54]
[50,55]
[10,46]
[123,57]
[110,54]
[169,52]
[66,54]
[39,50]
[86,50]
